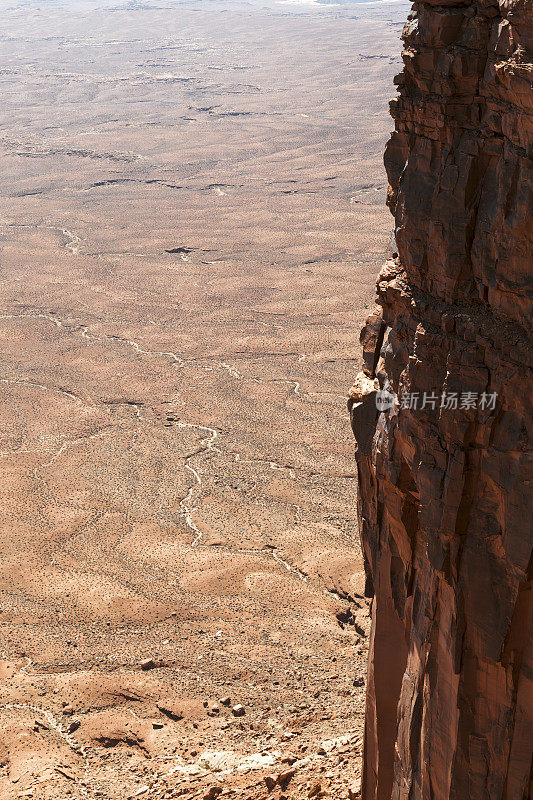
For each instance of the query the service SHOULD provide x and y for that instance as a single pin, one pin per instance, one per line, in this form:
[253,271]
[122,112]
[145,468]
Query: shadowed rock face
[444,487]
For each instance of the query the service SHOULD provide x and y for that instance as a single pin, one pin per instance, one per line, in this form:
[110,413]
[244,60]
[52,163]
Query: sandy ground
[191,221]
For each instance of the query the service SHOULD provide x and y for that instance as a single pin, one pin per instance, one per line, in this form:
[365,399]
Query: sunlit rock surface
[444,478]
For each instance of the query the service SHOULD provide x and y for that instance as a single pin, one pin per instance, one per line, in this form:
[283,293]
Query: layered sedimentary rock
[442,416]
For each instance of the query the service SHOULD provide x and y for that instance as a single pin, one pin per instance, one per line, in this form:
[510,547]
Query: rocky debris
[285,776]
[65,772]
[147,663]
[213,792]
[270,782]
[116,736]
[442,415]
[354,790]
[282,779]
[171,711]
[177,708]
[289,759]
[113,728]
[238,710]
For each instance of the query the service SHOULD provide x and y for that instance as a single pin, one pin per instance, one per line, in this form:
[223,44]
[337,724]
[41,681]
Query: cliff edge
[442,416]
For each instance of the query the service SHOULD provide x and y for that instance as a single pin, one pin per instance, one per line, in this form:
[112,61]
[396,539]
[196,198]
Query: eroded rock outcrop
[445,464]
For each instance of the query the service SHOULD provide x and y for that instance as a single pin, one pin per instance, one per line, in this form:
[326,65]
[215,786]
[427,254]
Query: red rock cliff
[445,500]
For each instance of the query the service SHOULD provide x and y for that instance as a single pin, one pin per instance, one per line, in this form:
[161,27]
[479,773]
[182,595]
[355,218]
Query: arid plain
[191,219]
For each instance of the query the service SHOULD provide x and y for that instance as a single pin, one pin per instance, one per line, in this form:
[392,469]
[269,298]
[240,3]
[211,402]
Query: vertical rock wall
[445,494]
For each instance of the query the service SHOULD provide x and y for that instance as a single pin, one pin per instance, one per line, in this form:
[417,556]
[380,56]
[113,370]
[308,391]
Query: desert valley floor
[191,221]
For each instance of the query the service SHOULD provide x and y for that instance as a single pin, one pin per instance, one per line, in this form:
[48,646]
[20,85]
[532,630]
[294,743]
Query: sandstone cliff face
[445,487]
